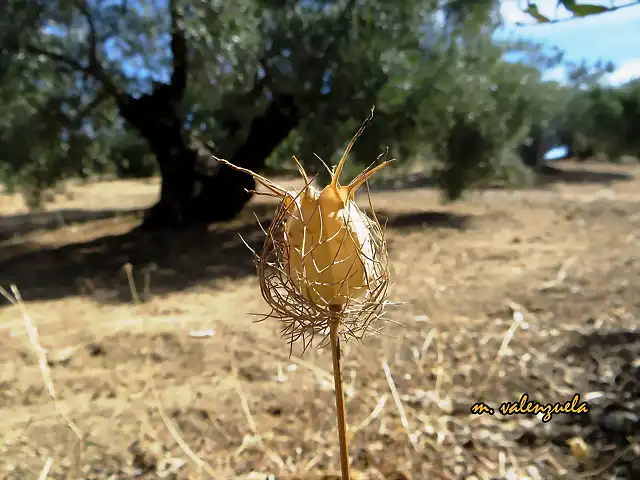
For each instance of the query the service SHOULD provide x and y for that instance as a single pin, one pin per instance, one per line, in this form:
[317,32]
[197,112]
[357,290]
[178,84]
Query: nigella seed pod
[323,258]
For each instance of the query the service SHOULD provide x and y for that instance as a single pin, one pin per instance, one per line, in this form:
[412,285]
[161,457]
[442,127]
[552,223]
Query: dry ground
[532,291]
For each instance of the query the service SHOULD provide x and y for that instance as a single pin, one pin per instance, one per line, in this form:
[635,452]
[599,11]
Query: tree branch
[341,35]
[547,21]
[345,18]
[97,73]
[57,57]
[93,35]
[95,68]
[259,84]
[284,107]
[53,119]
[74,121]
[22,21]
[100,97]
[178,53]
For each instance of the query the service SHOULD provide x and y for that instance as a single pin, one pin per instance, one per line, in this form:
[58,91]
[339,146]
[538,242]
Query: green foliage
[532,9]
[438,79]
[460,100]
[614,114]
[510,172]
[603,119]
[584,9]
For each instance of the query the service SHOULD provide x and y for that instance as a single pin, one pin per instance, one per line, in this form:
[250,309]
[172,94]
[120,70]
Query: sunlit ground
[506,293]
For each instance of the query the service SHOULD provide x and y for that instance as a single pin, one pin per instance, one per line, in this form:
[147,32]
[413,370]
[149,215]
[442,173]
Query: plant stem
[340,407]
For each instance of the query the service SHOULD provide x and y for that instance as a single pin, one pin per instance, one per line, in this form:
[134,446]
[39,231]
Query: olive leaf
[583,9]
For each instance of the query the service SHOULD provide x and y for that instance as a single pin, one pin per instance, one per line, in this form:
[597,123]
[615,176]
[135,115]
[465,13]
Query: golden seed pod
[323,258]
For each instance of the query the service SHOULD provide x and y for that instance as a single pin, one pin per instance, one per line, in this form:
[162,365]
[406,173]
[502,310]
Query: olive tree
[232,78]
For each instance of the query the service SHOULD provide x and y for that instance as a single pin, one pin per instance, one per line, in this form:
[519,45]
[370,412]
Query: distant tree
[615,116]
[603,119]
[574,121]
[489,119]
[597,118]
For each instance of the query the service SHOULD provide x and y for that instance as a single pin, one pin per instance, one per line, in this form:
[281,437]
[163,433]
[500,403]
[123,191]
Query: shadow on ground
[428,219]
[610,378]
[171,260]
[549,175]
[553,174]
[24,223]
[167,261]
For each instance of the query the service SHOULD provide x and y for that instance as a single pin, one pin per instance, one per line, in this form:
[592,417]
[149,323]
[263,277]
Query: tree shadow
[609,369]
[548,175]
[24,223]
[552,174]
[428,219]
[162,261]
[599,343]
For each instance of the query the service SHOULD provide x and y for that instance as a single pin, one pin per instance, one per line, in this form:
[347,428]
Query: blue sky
[613,36]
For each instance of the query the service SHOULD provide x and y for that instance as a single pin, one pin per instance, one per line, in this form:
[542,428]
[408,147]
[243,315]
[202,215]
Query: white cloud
[627,71]
[558,74]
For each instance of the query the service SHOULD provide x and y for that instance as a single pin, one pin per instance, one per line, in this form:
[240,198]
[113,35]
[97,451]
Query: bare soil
[507,292]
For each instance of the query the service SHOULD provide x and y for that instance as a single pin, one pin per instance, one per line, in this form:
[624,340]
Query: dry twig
[323,269]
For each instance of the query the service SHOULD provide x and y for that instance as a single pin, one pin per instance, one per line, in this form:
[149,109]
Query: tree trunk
[532,153]
[189,194]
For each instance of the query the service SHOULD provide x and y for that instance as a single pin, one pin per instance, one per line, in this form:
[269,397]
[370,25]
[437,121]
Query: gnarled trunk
[189,194]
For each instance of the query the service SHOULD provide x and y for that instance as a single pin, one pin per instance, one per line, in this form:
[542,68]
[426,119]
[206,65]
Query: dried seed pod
[323,257]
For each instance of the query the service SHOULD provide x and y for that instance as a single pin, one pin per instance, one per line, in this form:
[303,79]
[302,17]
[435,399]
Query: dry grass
[503,295]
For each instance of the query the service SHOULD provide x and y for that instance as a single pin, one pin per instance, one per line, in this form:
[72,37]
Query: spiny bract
[330,253]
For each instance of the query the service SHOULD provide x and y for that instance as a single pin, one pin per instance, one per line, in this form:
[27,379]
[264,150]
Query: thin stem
[340,407]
